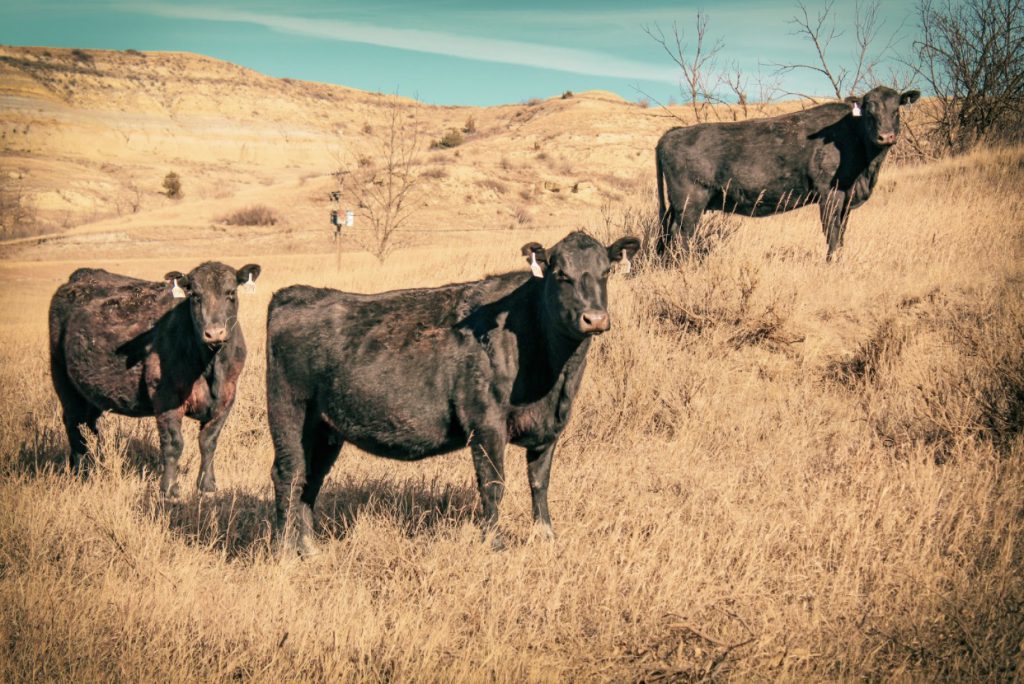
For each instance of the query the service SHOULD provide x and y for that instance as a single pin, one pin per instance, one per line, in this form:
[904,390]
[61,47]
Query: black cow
[417,373]
[141,348]
[829,154]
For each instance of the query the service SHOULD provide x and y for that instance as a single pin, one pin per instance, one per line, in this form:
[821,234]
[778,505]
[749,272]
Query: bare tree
[701,76]
[738,83]
[971,56]
[385,186]
[822,31]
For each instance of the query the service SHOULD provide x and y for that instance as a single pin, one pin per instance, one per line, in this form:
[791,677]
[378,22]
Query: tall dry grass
[777,468]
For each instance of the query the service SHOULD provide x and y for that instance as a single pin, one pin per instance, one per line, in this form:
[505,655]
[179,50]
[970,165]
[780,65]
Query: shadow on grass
[238,524]
[46,450]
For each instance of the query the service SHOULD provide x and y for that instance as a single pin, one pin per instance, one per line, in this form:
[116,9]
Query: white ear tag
[856,109]
[176,291]
[250,284]
[535,267]
[626,265]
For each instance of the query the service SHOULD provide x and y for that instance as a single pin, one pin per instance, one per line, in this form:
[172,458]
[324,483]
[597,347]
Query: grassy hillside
[776,468]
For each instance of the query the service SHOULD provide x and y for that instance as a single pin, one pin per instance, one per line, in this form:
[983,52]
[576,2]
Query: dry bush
[500,187]
[724,301]
[435,173]
[521,218]
[452,138]
[253,215]
[942,371]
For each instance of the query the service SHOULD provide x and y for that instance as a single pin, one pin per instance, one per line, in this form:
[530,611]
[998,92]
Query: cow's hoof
[308,548]
[291,549]
[206,485]
[495,539]
[172,492]
[544,532]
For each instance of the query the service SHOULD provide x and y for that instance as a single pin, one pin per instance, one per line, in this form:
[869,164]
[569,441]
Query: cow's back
[752,152]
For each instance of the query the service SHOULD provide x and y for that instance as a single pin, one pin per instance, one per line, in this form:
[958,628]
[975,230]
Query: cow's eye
[605,273]
[196,297]
[231,296]
[562,278]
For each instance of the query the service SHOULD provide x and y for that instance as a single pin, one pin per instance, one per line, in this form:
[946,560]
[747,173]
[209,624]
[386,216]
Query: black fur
[126,345]
[415,373]
[822,155]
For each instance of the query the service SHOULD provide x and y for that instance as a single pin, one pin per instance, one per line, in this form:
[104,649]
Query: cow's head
[212,291]
[575,273]
[877,114]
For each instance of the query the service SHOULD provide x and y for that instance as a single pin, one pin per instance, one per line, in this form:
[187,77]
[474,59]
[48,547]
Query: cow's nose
[594,322]
[886,138]
[215,335]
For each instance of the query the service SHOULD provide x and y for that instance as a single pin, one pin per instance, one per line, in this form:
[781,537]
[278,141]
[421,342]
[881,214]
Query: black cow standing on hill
[140,348]
[417,373]
[829,154]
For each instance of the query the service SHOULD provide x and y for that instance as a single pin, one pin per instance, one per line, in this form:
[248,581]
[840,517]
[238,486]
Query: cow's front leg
[168,425]
[835,210]
[209,432]
[488,446]
[538,466]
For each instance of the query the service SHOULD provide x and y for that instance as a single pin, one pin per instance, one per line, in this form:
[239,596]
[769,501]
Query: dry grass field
[777,468]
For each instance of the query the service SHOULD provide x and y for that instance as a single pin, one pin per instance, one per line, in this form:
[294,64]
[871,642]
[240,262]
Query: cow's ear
[177,283]
[248,273]
[850,99]
[536,257]
[910,97]
[623,248]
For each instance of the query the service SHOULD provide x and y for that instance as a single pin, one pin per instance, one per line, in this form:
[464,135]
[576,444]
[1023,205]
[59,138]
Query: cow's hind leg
[79,416]
[305,448]
[322,446]
[77,412]
[688,202]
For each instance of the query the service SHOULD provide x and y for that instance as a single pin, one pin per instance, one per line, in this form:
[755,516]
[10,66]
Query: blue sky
[452,52]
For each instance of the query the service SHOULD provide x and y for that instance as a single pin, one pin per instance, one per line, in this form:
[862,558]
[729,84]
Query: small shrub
[452,138]
[470,127]
[643,103]
[254,215]
[437,173]
[505,164]
[521,218]
[493,184]
[567,94]
[172,186]
[134,53]
[367,128]
[533,102]
[82,56]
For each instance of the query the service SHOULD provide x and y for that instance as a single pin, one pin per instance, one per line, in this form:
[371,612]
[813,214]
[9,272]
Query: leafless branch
[699,65]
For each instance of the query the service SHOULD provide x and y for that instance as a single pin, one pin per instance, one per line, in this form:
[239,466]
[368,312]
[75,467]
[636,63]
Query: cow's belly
[763,195]
[399,406]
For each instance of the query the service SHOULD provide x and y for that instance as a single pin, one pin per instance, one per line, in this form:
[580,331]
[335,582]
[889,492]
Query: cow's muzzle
[594,322]
[215,338]
[886,139]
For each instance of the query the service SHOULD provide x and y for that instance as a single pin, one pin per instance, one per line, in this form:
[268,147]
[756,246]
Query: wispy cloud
[435,42]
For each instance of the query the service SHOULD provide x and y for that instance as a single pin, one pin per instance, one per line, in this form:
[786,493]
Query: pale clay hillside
[776,469]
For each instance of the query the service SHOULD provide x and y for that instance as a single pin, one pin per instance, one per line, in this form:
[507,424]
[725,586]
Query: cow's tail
[661,186]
